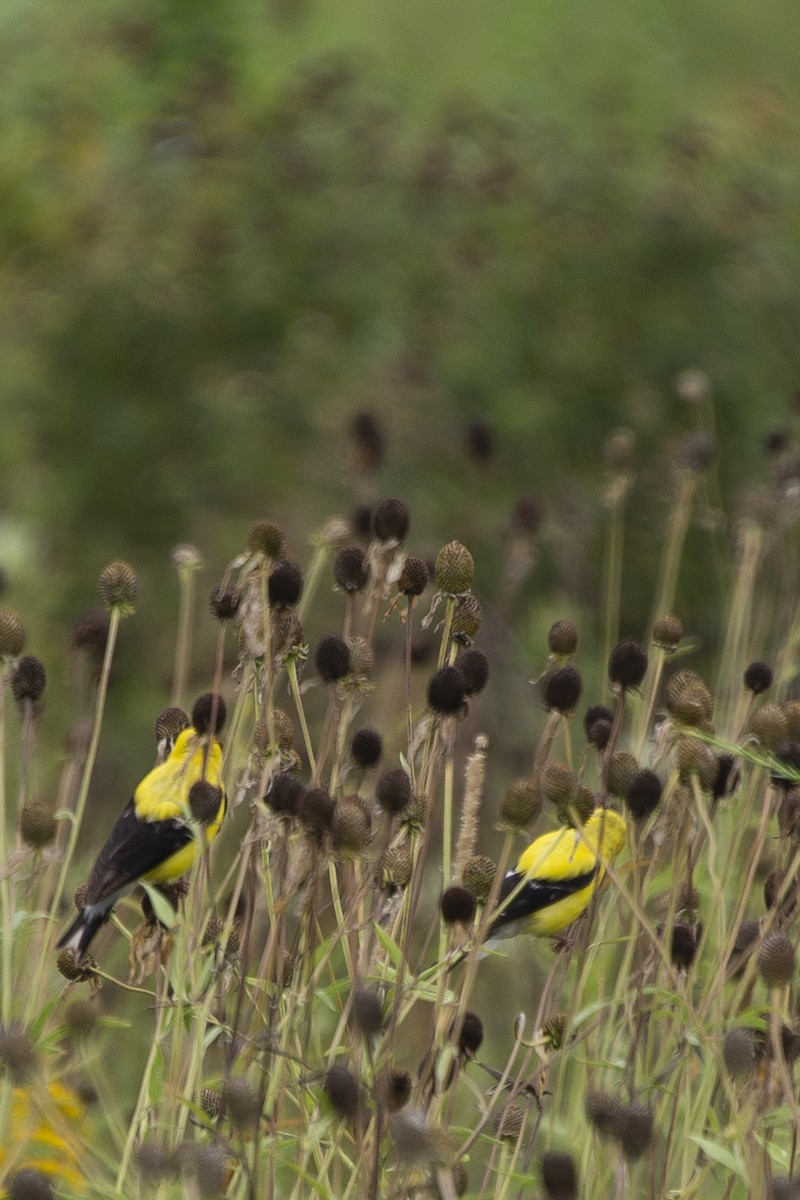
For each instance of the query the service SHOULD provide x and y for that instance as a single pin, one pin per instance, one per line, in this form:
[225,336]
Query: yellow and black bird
[556,877]
[154,838]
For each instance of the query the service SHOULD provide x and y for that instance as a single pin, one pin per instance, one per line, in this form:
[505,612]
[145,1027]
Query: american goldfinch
[556,877]
[154,838]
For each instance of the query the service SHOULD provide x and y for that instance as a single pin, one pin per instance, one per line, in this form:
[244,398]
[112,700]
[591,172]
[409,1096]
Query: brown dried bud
[457,905]
[28,679]
[602,1112]
[561,689]
[627,664]
[395,868]
[667,633]
[414,577]
[622,770]
[738,1051]
[454,569]
[563,638]
[224,602]
[770,726]
[391,520]
[559,1176]
[265,537]
[351,829]
[37,825]
[351,569]
[342,1089]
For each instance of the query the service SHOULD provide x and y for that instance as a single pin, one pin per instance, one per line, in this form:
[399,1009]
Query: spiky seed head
[395,868]
[446,691]
[471,1035]
[770,726]
[758,677]
[474,666]
[211,1103]
[738,1051]
[479,873]
[558,783]
[169,723]
[561,689]
[789,815]
[16,1052]
[416,815]
[457,905]
[332,659]
[787,774]
[393,790]
[643,794]
[413,577]
[351,569]
[30,1184]
[367,1010]
[209,713]
[391,520]
[81,892]
[622,770]
[398,1089]
[154,1161]
[584,802]
[37,825]
[521,804]
[90,634]
[696,452]
[744,945]
[526,516]
[366,748]
[597,724]
[241,1103]
[467,618]
[667,633]
[204,801]
[684,942]
[508,1123]
[224,601]
[695,759]
[315,808]
[342,1089]
[602,1112]
[772,889]
[634,1129]
[791,710]
[562,638]
[559,1176]
[69,968]
[265,537]
[28,679]
[362,659]
[781,1187]
[206,1167]
[619,449]
[688,699]
[627,664]
[12,633]
[284,794]
[285,584]
[776,960]
[80,1018]
[369,441]
[454,569]
[283,729]
[351,828]
[118,588]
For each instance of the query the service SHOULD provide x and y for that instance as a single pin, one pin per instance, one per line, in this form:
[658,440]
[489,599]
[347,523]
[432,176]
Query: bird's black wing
[134,847]
[536,894]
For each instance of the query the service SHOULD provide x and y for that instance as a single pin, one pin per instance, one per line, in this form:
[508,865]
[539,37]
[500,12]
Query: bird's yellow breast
[164,793]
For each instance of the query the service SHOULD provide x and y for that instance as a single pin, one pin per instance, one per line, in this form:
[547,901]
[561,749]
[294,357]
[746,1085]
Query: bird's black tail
[81,932]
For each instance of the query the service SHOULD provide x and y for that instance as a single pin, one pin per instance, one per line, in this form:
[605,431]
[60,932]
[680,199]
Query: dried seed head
[787,774]
[508,1123]
[30,1184]
[563,639]
[211,1103]
[285,584]
[186,557]
[627,664]
[446,691]
[204,801]
[667,633]
[90,634]
[758,677]
[69,968]
[341,1088]
[393,790]
[414,577]
[391,520]
[80,1018]
[521,804]
[366,748]
[688,699]
[265,537]
[209,713]
[584,802]
[471,1035]
[283,730]
[478,442]
[454,569]
[332,659]
[80,895]
[241,1103]
[526,516]
[153,1161]
[558,784]
[286,631]
[16,1052]
[467,617]
[789,815]
[643,794]
[284,794]
[169,723]
[602,1112]
[37,825]
[738,1051]
[351,828]
[770,726]
[362,521]
[369,441]
[224,601]
[561,689]
[398,1089]
[559,1176]
[206,1167]
[474,666]
[696,452]
[395,868]
[553,1031]
[315,809]
[12,633]
[619,449]
[781,1187]
[367,1010]
[479,873]
[622,770]
[776,960]
[695,759]
[684,942]
[727,779]
[634,1130]
[362,660]
[744,945]
[597,723]
[28,679]
[791,710]
[457,905]
[118,588]
[351,569]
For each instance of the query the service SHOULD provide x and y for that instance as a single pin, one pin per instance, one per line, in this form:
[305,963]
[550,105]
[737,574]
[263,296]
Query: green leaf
[164,911]
[719,1154]
[390,946]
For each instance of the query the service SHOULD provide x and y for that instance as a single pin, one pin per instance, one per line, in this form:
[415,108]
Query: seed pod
[285,584]
[454,569]
[284,794]
[776,960]
[758,677]
[28,679]
[30,1184]
[90,634]
[224,601]
[351,569]
[118,587]
[597,723]
[351,829]
[80,1018]
[446,691]
[474,667]
[684,942]
[457,905]
[688,699]
[521,804]
[643,794]
[240,1103]
[395,868]
[627,664]
[471,1035]
[16,1052]
[562,638]
[37,825]
[209,713]
[559,1176]
[391,520]
[393,791]
[332,659]
[315,808]
[738,1051]
[366,748]
[562,689]
[342,1089]
[788,755]
[694,759]
[204,801]
[265,537]
[414,577]
[71,971]
[667,633]
[367,1010]
[12,633]
[479,873]
[602,1112]
[744,945]
[770,726]
[622,770]
[634,1130]
[154,1162]
[398,1089]
[558,784]
[467,617]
